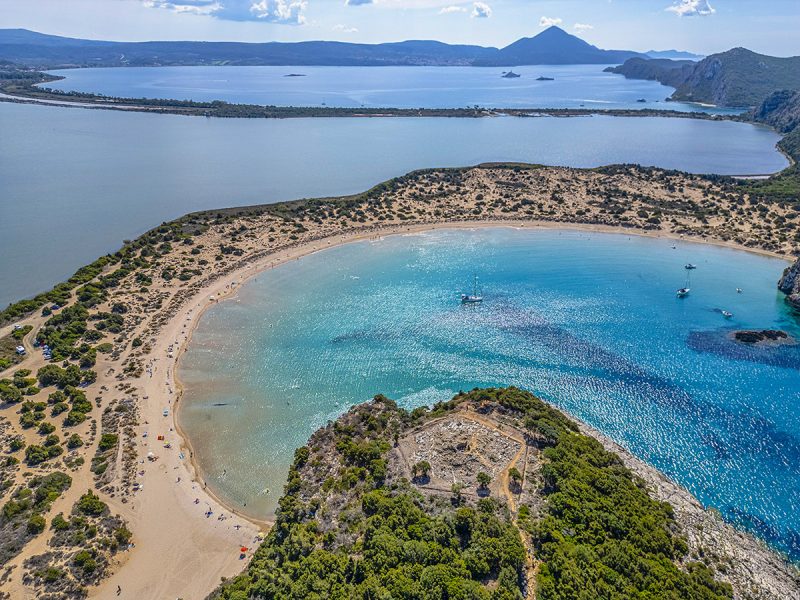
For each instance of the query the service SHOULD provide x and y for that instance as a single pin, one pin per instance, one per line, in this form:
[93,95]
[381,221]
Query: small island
[543,78]
[511,75]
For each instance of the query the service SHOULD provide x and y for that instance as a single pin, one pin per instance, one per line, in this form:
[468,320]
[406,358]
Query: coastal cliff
[781,110]
[738,77]
[789,284]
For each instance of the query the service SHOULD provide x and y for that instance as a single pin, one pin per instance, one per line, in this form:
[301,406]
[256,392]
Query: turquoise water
[75,182]
[588,321]
[394,87]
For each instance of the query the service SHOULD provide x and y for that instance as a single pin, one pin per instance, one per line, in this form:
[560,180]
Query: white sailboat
[684,291]
[475,297]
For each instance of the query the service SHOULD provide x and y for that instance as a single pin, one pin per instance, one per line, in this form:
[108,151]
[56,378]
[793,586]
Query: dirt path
[502,486]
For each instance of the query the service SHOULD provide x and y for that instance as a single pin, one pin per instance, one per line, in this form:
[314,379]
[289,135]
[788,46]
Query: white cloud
[481,10]
[345,29]
[692,8]
[582,27]
[288,12]
[446,10]
[280,11]
[549,21]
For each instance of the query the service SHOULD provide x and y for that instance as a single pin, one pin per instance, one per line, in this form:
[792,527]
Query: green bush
[107,442]
[35,454]
[90,504]
[36,524]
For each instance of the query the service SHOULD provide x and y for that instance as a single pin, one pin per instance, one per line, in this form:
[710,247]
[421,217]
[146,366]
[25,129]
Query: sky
[701,26]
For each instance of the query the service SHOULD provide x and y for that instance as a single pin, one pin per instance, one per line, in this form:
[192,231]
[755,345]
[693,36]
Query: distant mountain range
[674,55]
[553,46]
[738,77]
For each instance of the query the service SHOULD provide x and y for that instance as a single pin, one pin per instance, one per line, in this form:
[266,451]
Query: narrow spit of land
[122,322]
[29,87]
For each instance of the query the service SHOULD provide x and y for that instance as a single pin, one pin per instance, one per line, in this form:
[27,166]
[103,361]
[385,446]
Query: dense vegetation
[364,533]
[602,536]
[22,516]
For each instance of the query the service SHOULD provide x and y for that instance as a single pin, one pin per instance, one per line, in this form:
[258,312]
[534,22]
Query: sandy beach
[185,539]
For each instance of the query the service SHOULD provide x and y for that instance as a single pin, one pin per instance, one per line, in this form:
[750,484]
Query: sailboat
[684,291]
[475,297]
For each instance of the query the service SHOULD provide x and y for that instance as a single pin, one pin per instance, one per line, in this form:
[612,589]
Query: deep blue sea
[573,86]
[589,321]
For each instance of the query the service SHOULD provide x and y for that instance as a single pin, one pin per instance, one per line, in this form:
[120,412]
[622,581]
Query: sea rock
[767,336]
[789,284]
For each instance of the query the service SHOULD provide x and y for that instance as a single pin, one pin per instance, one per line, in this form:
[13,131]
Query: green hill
[386,503]
[739,77]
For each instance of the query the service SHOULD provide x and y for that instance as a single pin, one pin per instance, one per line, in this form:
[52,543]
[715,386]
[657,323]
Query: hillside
[666,71]
[781,110]
[738,77]
[552,46]
[492,495]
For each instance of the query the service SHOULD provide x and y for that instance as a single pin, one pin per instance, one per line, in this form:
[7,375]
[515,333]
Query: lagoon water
[589,321]
[76,182]
[573,86]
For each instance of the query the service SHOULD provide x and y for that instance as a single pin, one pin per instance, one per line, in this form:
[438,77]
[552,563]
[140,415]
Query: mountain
[738,77]
[552,46]
[673,55]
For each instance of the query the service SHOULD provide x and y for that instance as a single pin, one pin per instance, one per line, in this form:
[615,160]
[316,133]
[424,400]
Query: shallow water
[588,321]
[76,182]
[574,86]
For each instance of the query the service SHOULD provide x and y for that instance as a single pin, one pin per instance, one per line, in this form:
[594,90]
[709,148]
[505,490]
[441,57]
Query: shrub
[107,442]
[35,454]
[46,428]
[36,524]
[90,504]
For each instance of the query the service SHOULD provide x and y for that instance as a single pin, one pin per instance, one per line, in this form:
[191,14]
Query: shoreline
[213,253]
[224,290]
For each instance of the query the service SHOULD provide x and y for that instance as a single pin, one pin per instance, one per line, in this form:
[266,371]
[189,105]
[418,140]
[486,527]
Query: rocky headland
[493,495]
[789,284]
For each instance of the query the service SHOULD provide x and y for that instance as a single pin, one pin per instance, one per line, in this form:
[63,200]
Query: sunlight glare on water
[589,321]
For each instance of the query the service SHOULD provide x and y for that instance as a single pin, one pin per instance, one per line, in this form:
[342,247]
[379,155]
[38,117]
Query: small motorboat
[727,314]
[689,266]
[683,292]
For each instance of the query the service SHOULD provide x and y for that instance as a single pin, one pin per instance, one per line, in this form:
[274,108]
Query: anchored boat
[684,291]
[475,297]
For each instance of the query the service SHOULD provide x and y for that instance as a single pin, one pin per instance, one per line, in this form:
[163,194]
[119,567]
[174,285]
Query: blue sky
[703,26]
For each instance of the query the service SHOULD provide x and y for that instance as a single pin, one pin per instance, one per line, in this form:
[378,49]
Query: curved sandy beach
[211,550]
[180,552]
